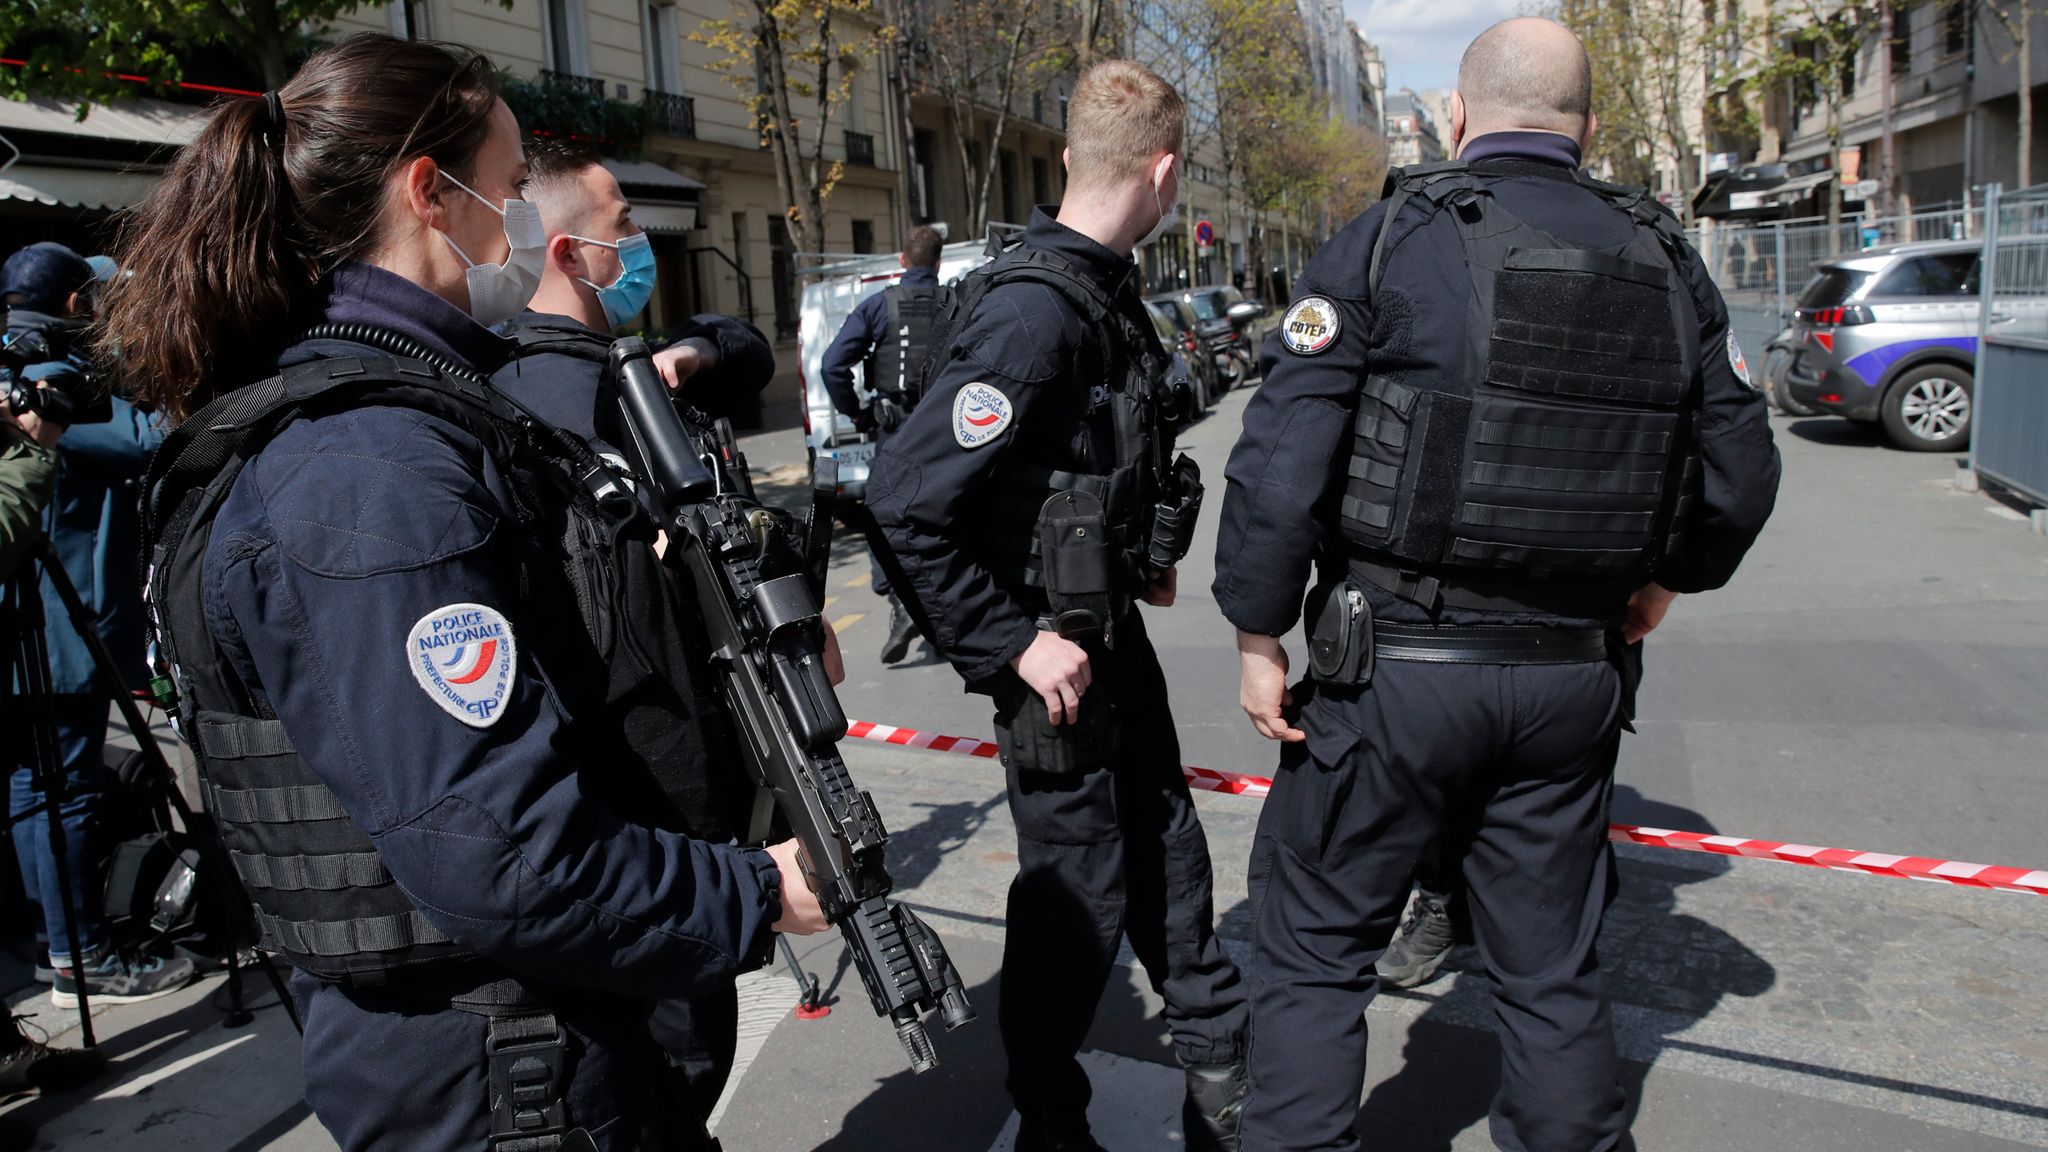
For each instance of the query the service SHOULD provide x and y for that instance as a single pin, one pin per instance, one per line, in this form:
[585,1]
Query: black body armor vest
[322,896]
[894,367]
[1561,444]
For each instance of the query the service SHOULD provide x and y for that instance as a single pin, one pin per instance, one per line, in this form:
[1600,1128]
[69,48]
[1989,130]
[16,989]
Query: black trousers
[1108,846]
[1521,760]
[701,1037]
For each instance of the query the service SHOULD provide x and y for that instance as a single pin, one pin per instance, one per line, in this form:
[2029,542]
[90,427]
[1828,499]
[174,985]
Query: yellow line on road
[860,581]
[848,621]
[830,601]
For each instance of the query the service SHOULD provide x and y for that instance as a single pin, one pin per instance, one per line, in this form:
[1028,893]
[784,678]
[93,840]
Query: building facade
[1411,130]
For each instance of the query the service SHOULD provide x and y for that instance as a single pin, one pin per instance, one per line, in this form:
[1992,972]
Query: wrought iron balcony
[672,114]
[860,149]
[570,82]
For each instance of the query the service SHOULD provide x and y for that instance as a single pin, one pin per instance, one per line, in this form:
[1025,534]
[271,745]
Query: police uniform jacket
[864,329]
[344,535]
[1287,471]
[1022,388]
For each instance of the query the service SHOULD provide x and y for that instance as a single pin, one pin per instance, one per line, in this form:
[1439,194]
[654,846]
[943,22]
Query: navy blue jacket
[563,389]
[1287,472]
[857,338]
[941,502]
[335,540]
[93,523]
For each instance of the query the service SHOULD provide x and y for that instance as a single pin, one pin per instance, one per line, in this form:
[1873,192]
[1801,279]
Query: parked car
[1889,336]
[1201,352]
[1229,322]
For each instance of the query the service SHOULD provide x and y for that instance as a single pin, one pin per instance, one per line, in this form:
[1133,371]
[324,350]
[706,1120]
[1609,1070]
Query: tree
[1265,109]
[83,50]
[1648,60]
[796,62]
[982,55]
[1816,52]
[2016,18]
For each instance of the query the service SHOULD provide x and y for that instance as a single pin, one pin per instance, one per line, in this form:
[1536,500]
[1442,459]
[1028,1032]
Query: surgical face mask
[1169,217]
[625,297]
[497,292]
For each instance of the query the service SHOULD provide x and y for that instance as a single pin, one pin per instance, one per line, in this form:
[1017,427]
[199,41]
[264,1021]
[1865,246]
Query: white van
[831,291]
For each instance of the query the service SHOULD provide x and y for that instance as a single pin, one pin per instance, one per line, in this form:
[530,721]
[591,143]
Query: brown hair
[1121,116]
[226,252]
[549,162]
[921,247]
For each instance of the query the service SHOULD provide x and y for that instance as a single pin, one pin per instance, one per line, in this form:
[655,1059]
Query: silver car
[1889,336]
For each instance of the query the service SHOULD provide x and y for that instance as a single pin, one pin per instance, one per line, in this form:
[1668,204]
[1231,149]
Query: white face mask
[498,292]
[1169,216]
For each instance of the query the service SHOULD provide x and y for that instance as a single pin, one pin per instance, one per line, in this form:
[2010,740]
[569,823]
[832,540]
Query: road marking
[1136,1104]
[860,581]
[766,999]
[848,621]
[829,602]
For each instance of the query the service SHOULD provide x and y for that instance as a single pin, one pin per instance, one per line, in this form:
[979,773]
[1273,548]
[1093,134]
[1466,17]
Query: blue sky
[1421,40]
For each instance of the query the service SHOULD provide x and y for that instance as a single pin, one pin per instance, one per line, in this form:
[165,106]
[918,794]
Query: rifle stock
[753,581]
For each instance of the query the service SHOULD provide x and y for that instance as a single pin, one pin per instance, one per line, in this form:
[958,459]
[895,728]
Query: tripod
[24,602]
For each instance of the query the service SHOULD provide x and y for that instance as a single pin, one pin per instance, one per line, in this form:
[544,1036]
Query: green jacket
[26,472]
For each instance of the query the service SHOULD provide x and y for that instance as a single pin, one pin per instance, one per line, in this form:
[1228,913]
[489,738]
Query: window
[1946,274]
[1955,28]
[660,41]
[562,34]
[782,279]
[739,240]
[1832,287]
[855,112]
[1006,174]
[410,20]
[863,237]
[927,182]
[1041,185]
[1902,39]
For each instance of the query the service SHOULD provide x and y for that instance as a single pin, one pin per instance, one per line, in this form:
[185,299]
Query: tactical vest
[322,897]
[893,365]
[1560,445]
[1132,368]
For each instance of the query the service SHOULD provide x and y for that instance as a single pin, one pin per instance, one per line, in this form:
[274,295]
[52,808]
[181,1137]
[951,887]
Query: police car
[1889,336]
[831,292]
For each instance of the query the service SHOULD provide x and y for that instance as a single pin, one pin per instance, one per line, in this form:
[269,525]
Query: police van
[832,289]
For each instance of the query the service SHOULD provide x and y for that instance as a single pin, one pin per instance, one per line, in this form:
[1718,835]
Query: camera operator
[92,526]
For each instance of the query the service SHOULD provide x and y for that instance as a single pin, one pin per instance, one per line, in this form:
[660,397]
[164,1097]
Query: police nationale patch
[1737,362]
[1311,326]
[465,659]
[980,413]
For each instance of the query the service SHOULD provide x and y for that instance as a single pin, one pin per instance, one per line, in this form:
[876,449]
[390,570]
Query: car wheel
[1778,391]
[1928,409]
[1229,373]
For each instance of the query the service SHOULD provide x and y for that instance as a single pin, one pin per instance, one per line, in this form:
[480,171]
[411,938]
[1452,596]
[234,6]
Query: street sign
[1863,189]
[1205,234]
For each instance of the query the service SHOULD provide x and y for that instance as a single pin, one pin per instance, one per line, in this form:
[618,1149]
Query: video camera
[69,394]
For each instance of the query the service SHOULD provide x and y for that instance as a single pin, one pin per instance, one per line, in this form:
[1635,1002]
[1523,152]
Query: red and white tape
[1957,872]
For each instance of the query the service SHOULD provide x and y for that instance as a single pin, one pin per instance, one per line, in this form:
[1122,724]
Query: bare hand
[1161,588]
[801,915]
[835,660]
[1262,686]
[682,360]
[1646,610]
[1057,669]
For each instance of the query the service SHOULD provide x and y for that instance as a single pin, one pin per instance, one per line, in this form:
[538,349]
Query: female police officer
[383,624]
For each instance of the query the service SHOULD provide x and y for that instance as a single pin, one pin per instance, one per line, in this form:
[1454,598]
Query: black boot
[1041,1132]
[1214,1104]
[1424,943]
[901,633]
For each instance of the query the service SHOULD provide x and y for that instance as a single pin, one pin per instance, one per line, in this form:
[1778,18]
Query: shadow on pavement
[916,851]
[1835,430]
[960,1104]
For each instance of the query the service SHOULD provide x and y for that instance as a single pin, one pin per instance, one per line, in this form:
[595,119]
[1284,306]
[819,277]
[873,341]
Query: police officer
[1030,504]
[890,334]
[599,274]
[1506,423]
[383,594]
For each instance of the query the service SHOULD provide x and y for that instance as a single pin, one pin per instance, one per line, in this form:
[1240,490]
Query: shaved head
[1526,73]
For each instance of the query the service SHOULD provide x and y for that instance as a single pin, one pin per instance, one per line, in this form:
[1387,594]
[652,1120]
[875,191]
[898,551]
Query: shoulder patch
[1311,326]
[1737,362]
[980,413]
[465,659]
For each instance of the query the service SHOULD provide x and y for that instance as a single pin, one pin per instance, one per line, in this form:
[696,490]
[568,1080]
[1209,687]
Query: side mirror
[1246,310]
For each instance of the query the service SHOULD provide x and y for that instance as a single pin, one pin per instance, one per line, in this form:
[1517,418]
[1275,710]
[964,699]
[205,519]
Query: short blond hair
[1121,116]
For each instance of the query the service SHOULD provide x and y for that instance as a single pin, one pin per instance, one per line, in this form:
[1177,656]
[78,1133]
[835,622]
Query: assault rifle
[757,574]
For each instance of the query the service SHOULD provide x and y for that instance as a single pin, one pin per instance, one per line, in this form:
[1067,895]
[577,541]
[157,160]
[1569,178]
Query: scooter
[1778,356]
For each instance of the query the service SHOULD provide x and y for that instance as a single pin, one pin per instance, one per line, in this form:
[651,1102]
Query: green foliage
[614,127]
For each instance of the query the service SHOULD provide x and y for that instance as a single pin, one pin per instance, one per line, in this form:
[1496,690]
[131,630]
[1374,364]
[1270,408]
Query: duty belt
[1487,644]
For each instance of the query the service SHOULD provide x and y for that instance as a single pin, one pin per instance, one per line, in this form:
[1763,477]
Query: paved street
[1876,678]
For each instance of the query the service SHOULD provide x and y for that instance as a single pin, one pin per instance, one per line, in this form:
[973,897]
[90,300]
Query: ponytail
[226,254]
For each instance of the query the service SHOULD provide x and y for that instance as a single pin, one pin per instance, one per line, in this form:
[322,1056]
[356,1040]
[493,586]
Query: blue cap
[103,268]
[42,275]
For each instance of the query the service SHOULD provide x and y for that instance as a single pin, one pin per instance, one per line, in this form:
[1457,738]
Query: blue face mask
[623,298]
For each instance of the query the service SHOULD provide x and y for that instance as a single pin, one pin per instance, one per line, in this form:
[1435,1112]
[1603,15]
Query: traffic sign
[1863,189]
[1205,234]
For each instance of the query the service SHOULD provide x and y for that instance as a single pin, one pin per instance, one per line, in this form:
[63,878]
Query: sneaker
[46,972]
[37,1067]
[1426,939]
[1215,1102]
[901,632]
[122,978]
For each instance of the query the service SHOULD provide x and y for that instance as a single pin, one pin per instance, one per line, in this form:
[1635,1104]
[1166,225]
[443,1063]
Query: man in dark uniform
[1021,497]
[599,274]
[1506,422]
[890,333]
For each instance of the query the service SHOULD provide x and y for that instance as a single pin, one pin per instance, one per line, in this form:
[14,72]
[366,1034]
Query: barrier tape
[1956,872]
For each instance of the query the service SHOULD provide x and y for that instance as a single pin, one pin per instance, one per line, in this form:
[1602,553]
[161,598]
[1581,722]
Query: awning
[1750,192]
[74,187]
[647,174]
[140,120]
[664,218]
